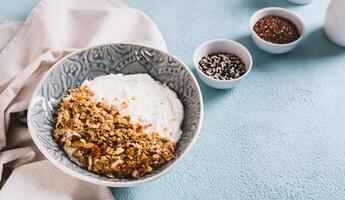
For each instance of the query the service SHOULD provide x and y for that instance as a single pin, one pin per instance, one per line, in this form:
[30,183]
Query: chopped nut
[130,152]
[135,173]
[103,158]
[115,165]
[106,142]
[109,151]
[96,151]
[79,144]
[68,143]
[66,115]
[124,105]
[149,169]
[119,150]
[89,163]
[104,104]
[89,145]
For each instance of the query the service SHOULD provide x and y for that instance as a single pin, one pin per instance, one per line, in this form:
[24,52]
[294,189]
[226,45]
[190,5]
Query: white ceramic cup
[335,22]
[269,46]
[222,46]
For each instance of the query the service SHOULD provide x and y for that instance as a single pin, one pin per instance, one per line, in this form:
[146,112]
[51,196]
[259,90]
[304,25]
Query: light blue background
[279,135]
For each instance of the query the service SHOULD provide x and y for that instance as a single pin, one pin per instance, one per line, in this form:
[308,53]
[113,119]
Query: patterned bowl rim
[110,183]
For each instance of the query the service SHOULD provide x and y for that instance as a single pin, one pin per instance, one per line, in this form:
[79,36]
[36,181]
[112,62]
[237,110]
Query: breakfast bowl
[271,47]
[222,46]
[87,64]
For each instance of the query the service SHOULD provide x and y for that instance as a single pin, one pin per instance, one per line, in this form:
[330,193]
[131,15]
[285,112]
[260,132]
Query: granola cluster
[97,137]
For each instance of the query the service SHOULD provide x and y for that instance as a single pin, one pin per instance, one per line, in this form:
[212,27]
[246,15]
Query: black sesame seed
[222,66]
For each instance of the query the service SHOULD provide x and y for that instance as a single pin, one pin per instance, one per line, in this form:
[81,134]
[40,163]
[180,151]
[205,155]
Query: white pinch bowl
[269,46]
[222,46]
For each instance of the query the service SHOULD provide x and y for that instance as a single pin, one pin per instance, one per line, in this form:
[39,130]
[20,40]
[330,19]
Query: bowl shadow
[316,45]
[122,193]
[258,4]
[213,94]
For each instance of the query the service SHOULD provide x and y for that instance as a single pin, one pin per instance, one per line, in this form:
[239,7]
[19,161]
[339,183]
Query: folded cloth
[8,29]
[27,51]
[41,180]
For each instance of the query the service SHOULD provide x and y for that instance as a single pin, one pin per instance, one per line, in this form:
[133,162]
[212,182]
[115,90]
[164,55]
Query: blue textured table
[279,135]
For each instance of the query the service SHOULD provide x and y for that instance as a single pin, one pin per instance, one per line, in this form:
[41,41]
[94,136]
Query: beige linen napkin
[27,50]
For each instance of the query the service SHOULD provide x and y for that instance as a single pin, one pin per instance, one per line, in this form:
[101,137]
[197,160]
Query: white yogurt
[149,101]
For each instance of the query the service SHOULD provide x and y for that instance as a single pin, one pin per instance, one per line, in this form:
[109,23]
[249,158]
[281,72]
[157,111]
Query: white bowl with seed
[276,30]
[222,63]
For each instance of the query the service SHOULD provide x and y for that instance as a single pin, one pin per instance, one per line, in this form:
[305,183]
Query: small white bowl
[269,46]
[222,46]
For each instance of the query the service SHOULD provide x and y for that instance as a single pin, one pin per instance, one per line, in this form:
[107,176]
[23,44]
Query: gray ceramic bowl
[71,71]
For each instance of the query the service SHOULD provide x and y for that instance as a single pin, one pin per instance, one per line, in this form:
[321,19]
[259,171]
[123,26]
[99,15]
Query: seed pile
[276,29]
[97,137]
[222,66]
